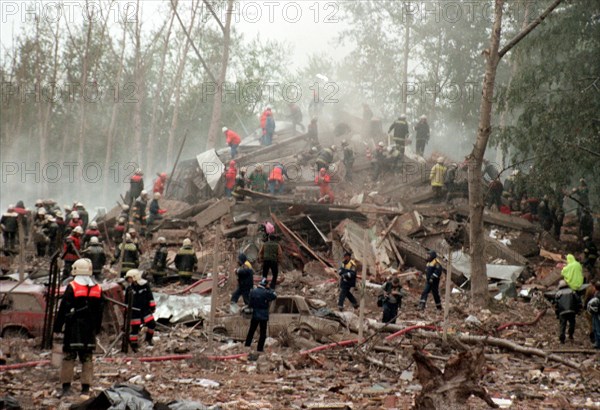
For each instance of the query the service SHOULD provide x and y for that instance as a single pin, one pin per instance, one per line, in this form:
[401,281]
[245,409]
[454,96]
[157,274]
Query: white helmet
[440,160]
[39,202]
[135,274]
[333,147]
[423,117]
[94,240]
[125,208]
[75,215]
[67,207]
[224,129]
[161,240]
[48,217]
[82,267]
[79,204]
[41,211]
[128,237]
[94,225]
[157,195]
[121,220]
[144,193]
[187,242]
[381,144]
[78,229]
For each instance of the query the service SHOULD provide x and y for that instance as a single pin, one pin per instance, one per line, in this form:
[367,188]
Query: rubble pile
[314,358]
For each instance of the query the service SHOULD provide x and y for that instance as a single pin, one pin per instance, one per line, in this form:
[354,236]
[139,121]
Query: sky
[308,26]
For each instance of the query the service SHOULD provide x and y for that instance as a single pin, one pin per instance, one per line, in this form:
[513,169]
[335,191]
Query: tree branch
[212,11]
[528,29]
[210,74]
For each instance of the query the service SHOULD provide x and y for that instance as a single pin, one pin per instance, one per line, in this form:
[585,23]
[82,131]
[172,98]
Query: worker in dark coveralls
[80,319]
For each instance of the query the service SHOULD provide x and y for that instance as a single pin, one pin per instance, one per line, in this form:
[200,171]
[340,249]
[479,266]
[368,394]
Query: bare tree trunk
[405,61]
[479,282]
[157,100]
[139,85]
[40,108]
[436,73]
[110,137]
[84,79]
[177,93]
[215,121]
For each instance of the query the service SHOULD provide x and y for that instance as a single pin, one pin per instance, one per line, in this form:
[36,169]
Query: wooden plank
[497,218]
[325,239]
[552,256]
[212,213]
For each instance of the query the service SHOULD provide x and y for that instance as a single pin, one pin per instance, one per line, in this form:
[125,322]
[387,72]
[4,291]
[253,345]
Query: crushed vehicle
[294,315]
[22,307]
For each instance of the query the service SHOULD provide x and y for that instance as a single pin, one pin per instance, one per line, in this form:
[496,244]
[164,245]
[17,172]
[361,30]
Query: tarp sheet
[462,262]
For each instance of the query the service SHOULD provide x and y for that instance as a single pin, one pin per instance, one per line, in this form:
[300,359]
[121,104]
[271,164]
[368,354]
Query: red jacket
[159,186]
[69,254]
[230,176]
[324,188]
[232,138]
[276,174]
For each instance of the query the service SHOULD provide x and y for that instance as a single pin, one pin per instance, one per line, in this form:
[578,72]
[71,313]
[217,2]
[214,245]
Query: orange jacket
[230,176]
[276,174]
[232,138]
[159,186]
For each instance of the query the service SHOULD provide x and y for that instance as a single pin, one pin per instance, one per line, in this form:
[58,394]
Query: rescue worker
[71,248]
[567,306]
[160,183]
[590,254]
[400,128]
[232,139]
[119,230]
[296,116]
[436,176]
[245,278]
[135,238]
[39,237]
[269,128]
[348,155]
[230,176]
[143,308]
[139,209]
[68,210]
[593,308]
[131,255]
[159,263]
[154,210]
[74,221]
[270,256]
[325,158]
[51,231]
[79,317]
[23,218]
[276,179]
[91,231]
[95,253]
[10,227]
[186,262]
[323,180]
[450,180]
[347,273]
[83,214]
[422,137]
[258,179]
[490,172]
[260,299]
[313,132]
[544,214]
[392,300]
[136,186]
[558,215]
[494,194]
[572,273]
[240,183]
[586,224]
[263,125]
[433,274]
[378,160]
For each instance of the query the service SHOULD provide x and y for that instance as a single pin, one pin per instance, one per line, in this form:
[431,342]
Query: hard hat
[128,237]
[259,167]
[39,202]
[224,129]
[515,172]
[333,147]
[242,258]
[163,175]
[344,143]
[232,163]
[11,207]
[78,229]
[381,144]
[263,282]
[243,170]
[126,208]
[322,170]
[51,201]
[402,116]
[75,215]
[144,193]
[586,238]
[82,267]
[187,242]
[57,213]
[135,274]
[131,230]
[432,254]
[157,195]
[94,240]
[440,160]
[79,204]
[41,211]
[67,207]
[314,149]
[93,225]
[139,171]
[161,240]
[562,284]
[121,220]
[423,117]
[48,217]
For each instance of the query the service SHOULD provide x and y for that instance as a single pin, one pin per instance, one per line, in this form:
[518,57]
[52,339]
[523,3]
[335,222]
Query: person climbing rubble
[10,226]
[131,255]
[399,137]
[590,254]
[230,176]
[348,159]
[245,278]
[572,273]
[159,262]
[323,181]
[95,253]
[90,232]
[258,179]
[436,176]
[232,139]
[160,183]
[143,308]
[593,308]
[422,137]
[71,247]
[260,298]
[79,318]
[433,275]
[270,256]
[186,262]
[277,178]
[567,306]
[347,273]
[391,300]
[136,186]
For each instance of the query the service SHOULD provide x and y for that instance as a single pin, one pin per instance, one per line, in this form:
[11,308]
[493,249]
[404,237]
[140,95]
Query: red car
[22,310]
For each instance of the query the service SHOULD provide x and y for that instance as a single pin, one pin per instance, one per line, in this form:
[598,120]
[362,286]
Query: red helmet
[232,163]
[163,175]
[322,171]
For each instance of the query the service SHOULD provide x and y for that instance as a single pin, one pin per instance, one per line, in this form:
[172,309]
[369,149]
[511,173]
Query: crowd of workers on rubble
[83,244]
